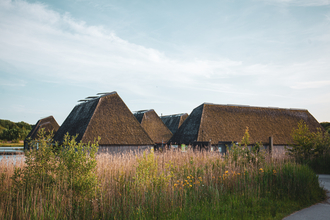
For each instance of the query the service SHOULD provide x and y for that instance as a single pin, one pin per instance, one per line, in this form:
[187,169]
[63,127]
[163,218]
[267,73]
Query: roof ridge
[98,95]
[250,106]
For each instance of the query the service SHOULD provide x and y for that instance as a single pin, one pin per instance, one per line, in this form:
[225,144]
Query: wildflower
[274,172]
[188,177]
[190,185]
[261,170]
[226,172]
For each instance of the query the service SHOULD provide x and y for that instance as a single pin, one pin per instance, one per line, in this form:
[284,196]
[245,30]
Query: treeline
[326,126]
[11,131]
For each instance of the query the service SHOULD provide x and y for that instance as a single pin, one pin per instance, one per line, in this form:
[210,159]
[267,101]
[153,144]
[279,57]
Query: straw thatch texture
[173,122]
[107,117]
[49,124]
[153,125]
[228,123]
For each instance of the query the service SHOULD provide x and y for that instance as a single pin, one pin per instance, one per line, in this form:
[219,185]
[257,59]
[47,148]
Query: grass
[11,144]
[320,164]
[171,185]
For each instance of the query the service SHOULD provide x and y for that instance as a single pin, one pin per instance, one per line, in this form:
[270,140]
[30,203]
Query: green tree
[12,131]
[308,145]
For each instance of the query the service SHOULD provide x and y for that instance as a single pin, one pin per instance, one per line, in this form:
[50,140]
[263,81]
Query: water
[12,150]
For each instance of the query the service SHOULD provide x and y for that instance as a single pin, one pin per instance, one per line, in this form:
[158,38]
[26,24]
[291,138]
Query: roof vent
[106,93]
[142,111]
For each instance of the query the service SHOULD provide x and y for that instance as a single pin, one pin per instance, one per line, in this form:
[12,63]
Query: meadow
[244,184]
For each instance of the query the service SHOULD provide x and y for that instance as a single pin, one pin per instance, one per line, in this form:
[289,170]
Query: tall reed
[173,185]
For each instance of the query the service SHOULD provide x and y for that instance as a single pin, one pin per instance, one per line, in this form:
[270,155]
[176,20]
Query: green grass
[257,195]
[11,144]
[320,165]
[169,185]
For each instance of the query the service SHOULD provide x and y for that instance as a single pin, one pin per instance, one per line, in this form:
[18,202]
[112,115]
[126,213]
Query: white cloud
[311,84]
[47,44]
[55,46]
[8,83]
[299,2]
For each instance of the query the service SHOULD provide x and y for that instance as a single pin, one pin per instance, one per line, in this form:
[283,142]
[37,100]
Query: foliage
[308,145]
[12,131]
[326,126]
[243,154]
[68,170]
[39,172]
[147,174]
[76,166]
[168,185]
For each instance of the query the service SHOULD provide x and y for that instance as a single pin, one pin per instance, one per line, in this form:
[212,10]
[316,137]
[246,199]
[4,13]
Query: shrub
[76,166]
[67,171]
[308,145]
[40,169]
[242,154]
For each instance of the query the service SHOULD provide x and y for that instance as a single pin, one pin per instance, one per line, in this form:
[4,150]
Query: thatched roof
[153,125]
[106,116]
[228,123]
[49,124]
[173,122]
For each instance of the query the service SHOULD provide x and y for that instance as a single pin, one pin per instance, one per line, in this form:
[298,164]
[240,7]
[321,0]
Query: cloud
[311,85]
[12,84]
[299,2]
[51,46]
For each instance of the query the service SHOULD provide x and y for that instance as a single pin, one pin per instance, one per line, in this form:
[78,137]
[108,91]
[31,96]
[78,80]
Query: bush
[76,166]
[242,154]
[326,126]
[307,144]
[64,171]
[311,148]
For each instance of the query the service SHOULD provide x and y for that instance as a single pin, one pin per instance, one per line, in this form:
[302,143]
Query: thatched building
[214,123]
[49,124]
[108,117]
[153,125]
[173,122]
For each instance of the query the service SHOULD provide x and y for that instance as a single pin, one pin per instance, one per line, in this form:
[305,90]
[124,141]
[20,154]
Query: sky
[166,55]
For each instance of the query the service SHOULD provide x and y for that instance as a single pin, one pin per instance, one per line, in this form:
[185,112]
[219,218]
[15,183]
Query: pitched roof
[173,122]
[106,116]
[49,124]
[228,123]
[153,125]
